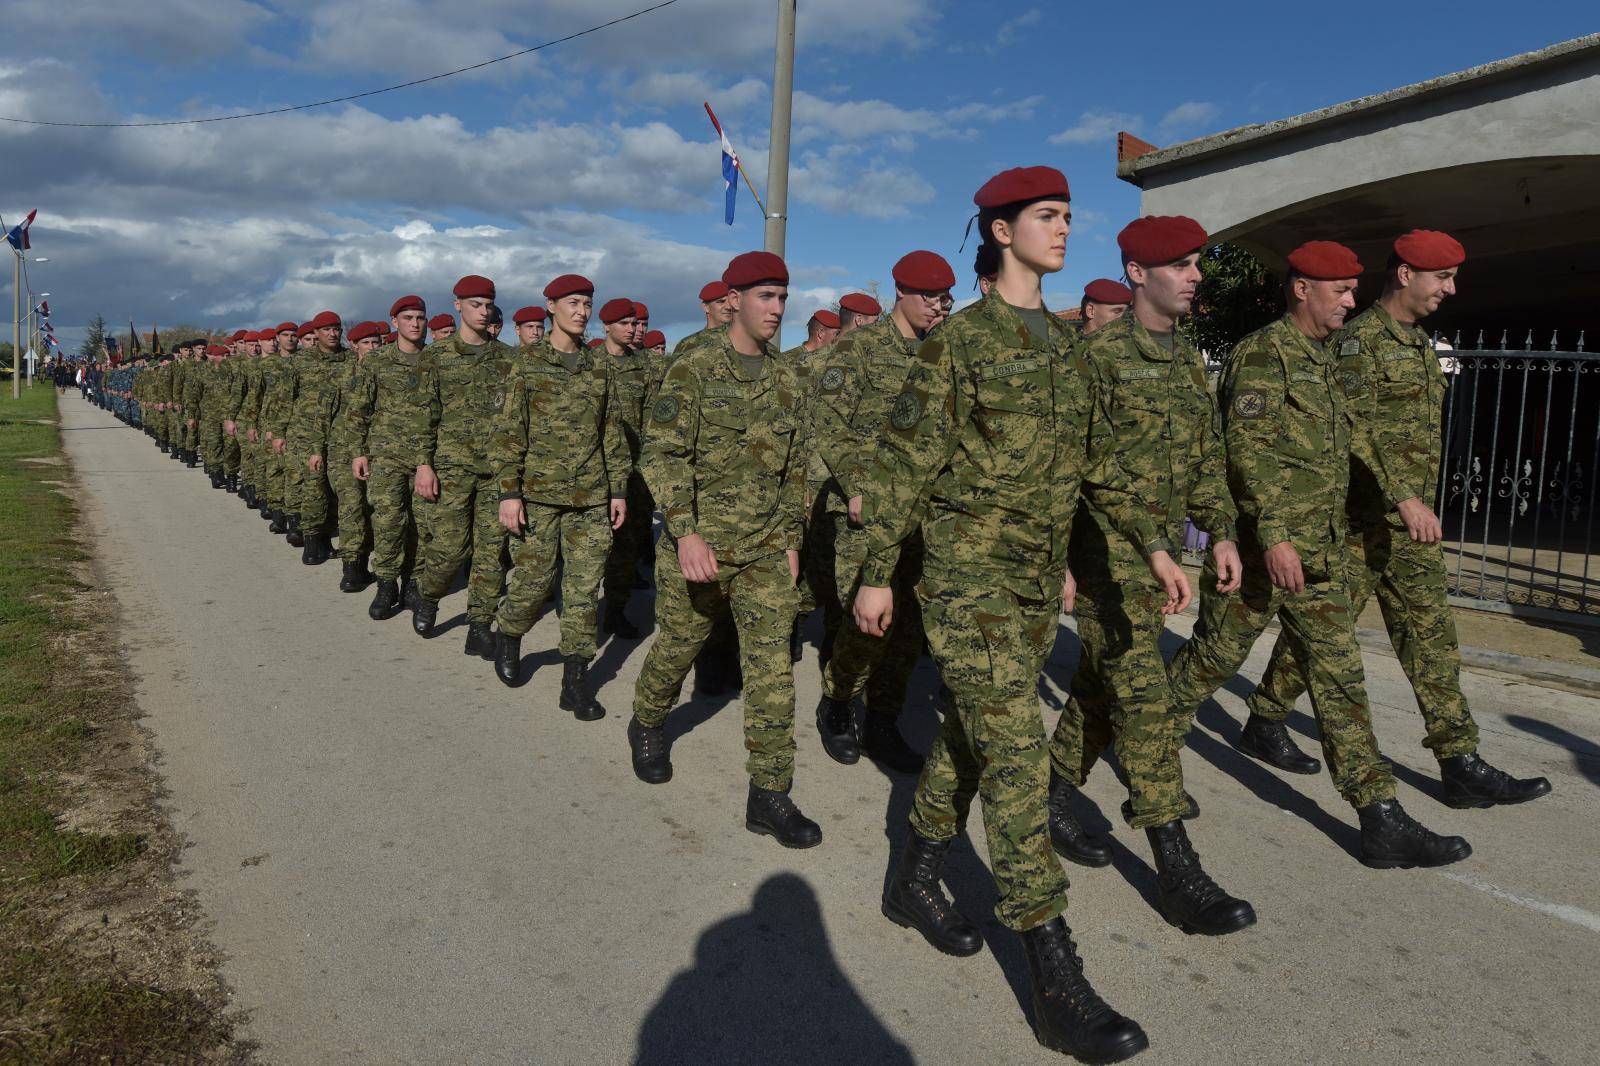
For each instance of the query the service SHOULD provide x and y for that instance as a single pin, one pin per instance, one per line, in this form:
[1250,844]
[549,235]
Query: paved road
[407,862]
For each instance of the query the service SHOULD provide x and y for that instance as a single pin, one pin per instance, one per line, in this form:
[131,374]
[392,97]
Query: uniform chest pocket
[724,419]
[1400,374]
[1311,395]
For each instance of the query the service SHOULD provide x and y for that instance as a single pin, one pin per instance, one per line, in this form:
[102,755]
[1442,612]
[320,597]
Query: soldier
[497,322]
[175,384]
[464,387]
[985,449]
[355,512]
[1287,424]
[562,466]
[205,397]
[285,386]
[856,309]
[855,387]
[530,325]
[986,267]
[303,337]
[655,342]
[1104,301]
[245,413]
[441,327]
[193,390]
[822,329]
[717,304]
[386,423]
[316,376]
[234,382]
[1397,398]
[724,457]
[641,324]
[274,366]
[1164,438]
[629,370]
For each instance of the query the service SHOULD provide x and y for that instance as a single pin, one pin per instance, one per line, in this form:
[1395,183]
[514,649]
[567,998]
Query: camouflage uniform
[630,372]
[285,395]
[355,511]
[559,447]
[235,380]
[464,388]
[387,419]
[1397,407]
[724,457]
[202,401]
[251,370]
[1287,425]
[315,387]
[855,386]
[273,420]
[1166,437]
[986,447]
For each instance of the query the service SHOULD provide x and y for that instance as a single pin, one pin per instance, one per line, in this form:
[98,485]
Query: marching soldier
[441,327]
[355,511]
[629,369]
[314,386]
[270,427]
[530,325]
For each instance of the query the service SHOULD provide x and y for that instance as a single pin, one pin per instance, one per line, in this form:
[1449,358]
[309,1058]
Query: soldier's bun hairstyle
[987,262]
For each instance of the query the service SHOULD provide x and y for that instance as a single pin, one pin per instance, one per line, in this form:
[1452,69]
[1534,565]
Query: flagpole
[16,326]
[778,159]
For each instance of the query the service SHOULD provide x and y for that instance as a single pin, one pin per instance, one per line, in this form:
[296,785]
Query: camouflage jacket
[630,374]
[658,369]
[270,412]
[559,437]
[386,415]
[724,454]
[854,385]
[196,382]
[1287,423]
[464,389]
[1397,391]
[180,379]
[1166,434]
[250,375]
[346,384]
[281,395]
[987,448]
[316,391]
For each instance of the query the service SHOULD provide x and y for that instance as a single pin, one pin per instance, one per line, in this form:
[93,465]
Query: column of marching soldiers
[930,480]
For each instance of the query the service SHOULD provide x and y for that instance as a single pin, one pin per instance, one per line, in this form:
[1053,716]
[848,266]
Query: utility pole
[16,328]
[778,160]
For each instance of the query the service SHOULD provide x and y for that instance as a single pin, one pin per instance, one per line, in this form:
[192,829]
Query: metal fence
[1517,488]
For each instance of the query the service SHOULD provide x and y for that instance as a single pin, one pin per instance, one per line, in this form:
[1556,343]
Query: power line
[352,96]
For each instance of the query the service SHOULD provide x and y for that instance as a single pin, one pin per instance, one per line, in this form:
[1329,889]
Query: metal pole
[16,328]
[778,161]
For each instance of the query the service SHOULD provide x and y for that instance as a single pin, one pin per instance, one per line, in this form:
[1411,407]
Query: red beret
[569,285]
[1020,184]
[407,303]
[640,310]
[861,304]
[529,314]
[474,286]
[441,321]
[1158,239]
[288,326]
[323,319]
[264,335]
[236,336]
[597,342]
[713,290]
[926,271]
[216,350]
[1429,249]
[753,268]
[362,330]
[1324,261]
[303,329]
[827,319]
[655,339]
[1106,291]
[615,310]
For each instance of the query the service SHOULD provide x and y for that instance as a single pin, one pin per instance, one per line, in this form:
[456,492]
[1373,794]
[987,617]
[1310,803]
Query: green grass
[57,1004]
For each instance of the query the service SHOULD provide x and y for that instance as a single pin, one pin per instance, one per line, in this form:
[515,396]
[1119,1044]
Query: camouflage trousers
[249,456]
[355,514]
[761,596]
[1409,579]
[879,666]
[1320,624]
[630,545]
[310,495]
[191,434]
[277,479]
[160,421]
[990,646]
[465,524]
[580,537]
[233,451]
[398,518]
[211,443]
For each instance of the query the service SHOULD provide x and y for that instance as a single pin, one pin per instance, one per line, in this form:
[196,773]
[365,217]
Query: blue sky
[596,156]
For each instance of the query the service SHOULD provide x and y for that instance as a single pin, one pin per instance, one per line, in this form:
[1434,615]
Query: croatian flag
[43,308]
[730,169]
[18,234]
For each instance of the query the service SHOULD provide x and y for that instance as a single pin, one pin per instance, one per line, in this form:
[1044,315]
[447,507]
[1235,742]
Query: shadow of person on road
[1585,753]
[765,988]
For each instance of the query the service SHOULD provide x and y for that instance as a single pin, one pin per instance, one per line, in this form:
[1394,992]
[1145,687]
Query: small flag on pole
[133,341]
[17,235]
[730,168]
[43,308]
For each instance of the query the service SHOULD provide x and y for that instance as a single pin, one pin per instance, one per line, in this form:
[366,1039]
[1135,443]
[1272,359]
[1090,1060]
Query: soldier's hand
[278,444]
[513,515]
[230,427]
[619,513]
[1283,567]
[360,468]
[855,510]
[1423,525]
[1173,579]
[427,483]
[1069,593]
[252,435]
[696,559]
[1230,571]
[874,610]
[314,464]
[794,566]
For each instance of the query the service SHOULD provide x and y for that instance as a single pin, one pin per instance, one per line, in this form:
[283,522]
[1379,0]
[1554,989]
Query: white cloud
[162,28]
[1103,125]
[1188,116]
[1012,30]
[1095,126]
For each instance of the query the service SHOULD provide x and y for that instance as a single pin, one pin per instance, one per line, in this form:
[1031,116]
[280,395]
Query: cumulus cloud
[1189,116]
[162,29]
[1095,126]
[1099,126]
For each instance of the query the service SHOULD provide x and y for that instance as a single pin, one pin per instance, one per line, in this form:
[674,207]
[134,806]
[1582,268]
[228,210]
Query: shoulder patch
[1251,403]
[665,410]
[1352,382]
[833,379]
[1351,347]
[907,410]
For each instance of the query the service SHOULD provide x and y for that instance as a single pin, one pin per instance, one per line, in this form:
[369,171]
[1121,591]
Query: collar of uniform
[731,359]
[553,356]
[1005,317]
[889,335]
[1143,343]
[1412,335]
[1303,345]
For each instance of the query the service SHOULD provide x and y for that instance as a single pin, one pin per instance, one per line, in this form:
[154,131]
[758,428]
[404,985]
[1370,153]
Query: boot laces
[650,741]
[1189,876]
[840,714]
[1063,972]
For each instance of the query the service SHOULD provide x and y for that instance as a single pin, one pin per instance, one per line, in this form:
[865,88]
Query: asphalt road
[406,862]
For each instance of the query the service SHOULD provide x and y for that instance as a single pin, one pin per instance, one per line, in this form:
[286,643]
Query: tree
[94,340]
[1237,296]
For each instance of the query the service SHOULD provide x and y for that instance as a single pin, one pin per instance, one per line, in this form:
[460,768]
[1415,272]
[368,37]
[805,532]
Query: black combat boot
[1067,835]
[774,814]
[1186,895]
[295,538]
[836,722]
[386,601]
[424,613]
[353,576]
[883,744]
[190,460]
[1269,741]
[915,899]
[248,495]
[616,622]
[318,549]
[263,506]
[1191,809]
[408,592]
[231,483]
[508,659]
[1391,839]
[480,641]
[1069,1016]
[280,524]
[575,694]
[797,640]
[216,477]
[1471,782]
[652,756]
[162,446]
